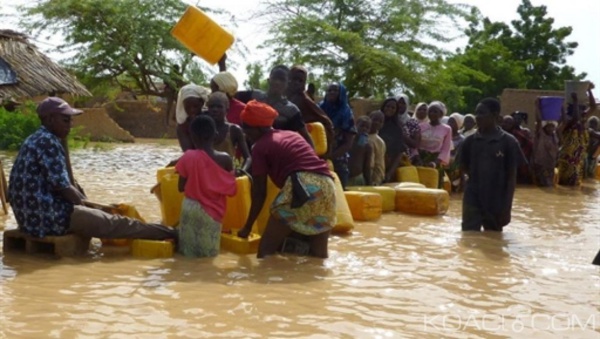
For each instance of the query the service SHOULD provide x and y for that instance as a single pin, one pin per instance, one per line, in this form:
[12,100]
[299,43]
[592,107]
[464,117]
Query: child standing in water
[490,158]
[206,178]
[361,155]
[378,146]
[230,138]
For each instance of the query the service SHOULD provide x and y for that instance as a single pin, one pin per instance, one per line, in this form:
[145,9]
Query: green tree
[528,53]
[373,46]
[542,48]
[127,42]
[256,77]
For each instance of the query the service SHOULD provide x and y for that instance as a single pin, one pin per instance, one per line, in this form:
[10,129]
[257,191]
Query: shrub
[17,125]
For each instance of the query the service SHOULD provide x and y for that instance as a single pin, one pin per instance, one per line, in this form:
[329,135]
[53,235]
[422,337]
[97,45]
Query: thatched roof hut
[26,72]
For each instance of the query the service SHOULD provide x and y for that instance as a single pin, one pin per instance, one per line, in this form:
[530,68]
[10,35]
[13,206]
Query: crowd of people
[224,133]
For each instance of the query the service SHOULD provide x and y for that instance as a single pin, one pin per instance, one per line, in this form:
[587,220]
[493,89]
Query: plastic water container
[422,201]
[265,212]
[430,177]
[232,243]
[364,206]
[407,174]
[238,206]
[344,222]
[200,34]
[151,249]
[550,108]
[579,87]
[318,136]
[171,198]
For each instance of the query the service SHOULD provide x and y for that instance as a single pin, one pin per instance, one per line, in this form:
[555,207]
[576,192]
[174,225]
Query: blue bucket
[551,107]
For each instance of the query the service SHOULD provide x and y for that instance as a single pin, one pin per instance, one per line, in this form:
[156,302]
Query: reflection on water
[402,277]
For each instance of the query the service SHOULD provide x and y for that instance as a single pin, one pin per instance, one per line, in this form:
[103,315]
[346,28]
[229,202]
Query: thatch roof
[36,73]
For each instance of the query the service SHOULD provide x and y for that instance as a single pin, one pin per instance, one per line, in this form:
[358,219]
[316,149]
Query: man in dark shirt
[490,158]
[45,201]
[290,117]
[311,112]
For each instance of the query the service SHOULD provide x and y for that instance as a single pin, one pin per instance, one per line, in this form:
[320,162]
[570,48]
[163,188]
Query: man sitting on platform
[43,197]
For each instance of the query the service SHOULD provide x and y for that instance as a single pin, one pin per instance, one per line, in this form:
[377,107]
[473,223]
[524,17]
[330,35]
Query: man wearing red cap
[45,201]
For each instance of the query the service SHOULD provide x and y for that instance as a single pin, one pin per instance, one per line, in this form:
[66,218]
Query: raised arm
[592,100]
[538,116]
[223,63]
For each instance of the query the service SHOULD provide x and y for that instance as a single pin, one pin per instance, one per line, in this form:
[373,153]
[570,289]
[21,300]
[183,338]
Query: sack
[299,193]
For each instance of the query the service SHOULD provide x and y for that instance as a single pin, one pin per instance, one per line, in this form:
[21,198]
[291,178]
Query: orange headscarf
[258,114]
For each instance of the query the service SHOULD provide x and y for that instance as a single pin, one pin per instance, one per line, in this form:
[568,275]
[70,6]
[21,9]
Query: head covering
[226,82]
[440,105]
[189,91]
[458,118]
[549,122]
[339,112]
[403,116]
[55,105]
[299,68]
[419,105]
[258,114]
[590,119]
[445,120]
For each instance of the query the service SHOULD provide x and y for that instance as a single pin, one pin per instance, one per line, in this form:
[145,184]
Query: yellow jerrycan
[201,35]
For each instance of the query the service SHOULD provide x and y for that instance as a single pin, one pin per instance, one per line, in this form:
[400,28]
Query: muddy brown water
[400,277]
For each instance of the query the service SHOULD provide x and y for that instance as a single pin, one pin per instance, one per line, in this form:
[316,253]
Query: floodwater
[401,277]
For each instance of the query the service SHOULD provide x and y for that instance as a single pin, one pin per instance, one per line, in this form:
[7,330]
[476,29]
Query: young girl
[230,138]
[190,101]
[378,145]
[436,139]
[206,178]
[392,134]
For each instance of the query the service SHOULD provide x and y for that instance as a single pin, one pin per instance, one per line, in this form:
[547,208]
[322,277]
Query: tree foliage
[528,53]
[122,41]
[256,77]
[373,46]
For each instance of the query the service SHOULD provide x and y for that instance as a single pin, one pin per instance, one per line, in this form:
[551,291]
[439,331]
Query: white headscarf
[403,116]
[458,118]
[226,82]
[445,120]
[426,119]
[549,122]
[440,105]
[188,91]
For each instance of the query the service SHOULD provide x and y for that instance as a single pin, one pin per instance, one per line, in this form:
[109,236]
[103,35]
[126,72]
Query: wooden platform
[62,246]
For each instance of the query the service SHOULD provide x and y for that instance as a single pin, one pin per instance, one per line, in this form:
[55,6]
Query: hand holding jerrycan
[201,35]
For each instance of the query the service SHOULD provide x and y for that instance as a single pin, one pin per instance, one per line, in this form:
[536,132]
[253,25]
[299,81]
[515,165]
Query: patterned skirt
[199,233]
[317,215]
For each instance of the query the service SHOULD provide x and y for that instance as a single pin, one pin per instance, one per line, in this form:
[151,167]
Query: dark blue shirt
[38,172]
